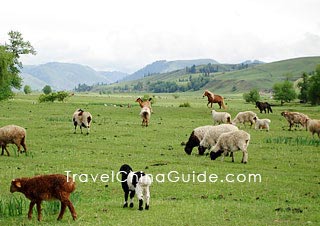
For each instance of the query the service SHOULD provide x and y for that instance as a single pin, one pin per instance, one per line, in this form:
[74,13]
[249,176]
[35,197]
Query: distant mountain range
[66,76]
[163,66]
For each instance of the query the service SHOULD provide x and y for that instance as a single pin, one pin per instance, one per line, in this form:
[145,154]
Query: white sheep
[262,123]
[243,117]
[231,142]
[212,134]
[145,114]
[220,117]
[82,119]
[195,138]
[313,125]
[12,134]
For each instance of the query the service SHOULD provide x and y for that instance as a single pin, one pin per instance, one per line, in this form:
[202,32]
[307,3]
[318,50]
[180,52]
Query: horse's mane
[209,93]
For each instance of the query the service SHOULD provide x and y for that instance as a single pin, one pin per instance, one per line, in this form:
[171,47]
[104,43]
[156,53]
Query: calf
[46,187]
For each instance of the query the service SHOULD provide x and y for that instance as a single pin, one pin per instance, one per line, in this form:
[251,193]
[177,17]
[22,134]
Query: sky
[126,35]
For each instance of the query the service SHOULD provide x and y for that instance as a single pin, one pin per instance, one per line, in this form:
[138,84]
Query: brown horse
[214,98]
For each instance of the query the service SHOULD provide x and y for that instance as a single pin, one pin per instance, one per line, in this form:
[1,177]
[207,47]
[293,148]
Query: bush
[253,96]
[60,96]
[185,105]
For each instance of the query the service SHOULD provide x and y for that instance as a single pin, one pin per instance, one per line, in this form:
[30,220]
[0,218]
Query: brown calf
[46,187]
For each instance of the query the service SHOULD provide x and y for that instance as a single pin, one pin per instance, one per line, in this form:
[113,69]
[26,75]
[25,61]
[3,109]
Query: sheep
[82,119]
[295,118]
[221,117]
[243,117]
[12,134]
[146,103]
[145,114]
[231,142]
[195,138]
[261,123]
[212,134]
[135,182]
[46,187]
[313,125]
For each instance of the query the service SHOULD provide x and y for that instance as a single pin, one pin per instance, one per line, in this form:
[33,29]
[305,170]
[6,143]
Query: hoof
[147,207]
[131,205]
[125,205]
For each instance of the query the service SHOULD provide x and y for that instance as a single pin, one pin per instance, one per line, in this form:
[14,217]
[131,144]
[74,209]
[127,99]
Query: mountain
[225,78]
[163,66]
[113,76]
[65,76]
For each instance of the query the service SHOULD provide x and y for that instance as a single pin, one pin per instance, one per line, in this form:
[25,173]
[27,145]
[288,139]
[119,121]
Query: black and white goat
[135,182]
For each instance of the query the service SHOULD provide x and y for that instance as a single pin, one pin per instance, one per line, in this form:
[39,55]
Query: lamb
[82,119]
[231,142]
[313,125]
[262,123]
[145,114]
[135,182]
[46,187]
[243,117]
[212,134]
[295,118]
[195,138]
[221,117]
[12,134]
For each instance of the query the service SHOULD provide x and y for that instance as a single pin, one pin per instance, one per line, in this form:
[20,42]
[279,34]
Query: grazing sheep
[231,142]
[145,114]
[262,123]
[243,117]
[220,117]
[313,125]
[146,103]
[46,187]
[82,119]
[212,134]
[12,134]
[135,182]
[195,138]
[295,118]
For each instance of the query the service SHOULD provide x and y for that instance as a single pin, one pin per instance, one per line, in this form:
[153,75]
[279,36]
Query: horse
[263,106]
[214,98]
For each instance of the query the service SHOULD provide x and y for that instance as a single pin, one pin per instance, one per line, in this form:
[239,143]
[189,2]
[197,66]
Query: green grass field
[287,162]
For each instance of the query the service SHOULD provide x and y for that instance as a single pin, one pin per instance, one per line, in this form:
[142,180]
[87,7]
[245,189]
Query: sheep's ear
[17,183]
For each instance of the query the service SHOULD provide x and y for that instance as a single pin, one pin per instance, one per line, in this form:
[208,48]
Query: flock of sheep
[223,139]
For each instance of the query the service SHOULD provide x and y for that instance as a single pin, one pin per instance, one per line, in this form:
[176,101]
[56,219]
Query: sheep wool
[243,117]
[220,117]
[262,123]
[313,126]
[212,134]
[231,142]
[195,138]
[82,119]
[12,134]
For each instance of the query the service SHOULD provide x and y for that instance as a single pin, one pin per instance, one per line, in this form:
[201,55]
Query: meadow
[287,192]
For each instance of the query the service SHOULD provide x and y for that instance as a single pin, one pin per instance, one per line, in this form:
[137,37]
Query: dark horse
[214,98]
[263,106]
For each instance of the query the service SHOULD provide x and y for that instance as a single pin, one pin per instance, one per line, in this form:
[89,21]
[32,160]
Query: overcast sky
[126,35]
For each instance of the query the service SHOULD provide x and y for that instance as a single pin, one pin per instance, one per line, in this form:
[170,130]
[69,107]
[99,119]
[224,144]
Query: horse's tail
[222,103]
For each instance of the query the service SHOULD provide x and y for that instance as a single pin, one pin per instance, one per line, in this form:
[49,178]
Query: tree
[47,89]
[253,96]
[27,89]
[284,92]
[10,65]
[314,88]
[303,85]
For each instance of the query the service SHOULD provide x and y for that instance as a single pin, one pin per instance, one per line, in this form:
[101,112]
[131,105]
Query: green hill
[227,78]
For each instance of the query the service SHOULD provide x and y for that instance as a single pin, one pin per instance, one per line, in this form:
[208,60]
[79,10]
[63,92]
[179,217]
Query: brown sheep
[295,118]
[46,187]
[82,119]
[12,134]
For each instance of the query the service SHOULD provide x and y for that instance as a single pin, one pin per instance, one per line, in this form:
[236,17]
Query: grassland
[288,162]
